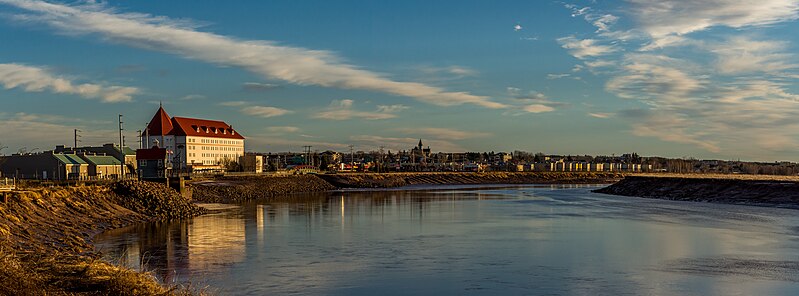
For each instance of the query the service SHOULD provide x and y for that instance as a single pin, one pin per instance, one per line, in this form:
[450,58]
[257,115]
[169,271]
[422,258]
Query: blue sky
[705,79]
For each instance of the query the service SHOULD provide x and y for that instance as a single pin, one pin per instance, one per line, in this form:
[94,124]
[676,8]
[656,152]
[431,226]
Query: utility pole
[138,133]
[76,138]
[121,151]
[380,166]
[352,158]
[308,154]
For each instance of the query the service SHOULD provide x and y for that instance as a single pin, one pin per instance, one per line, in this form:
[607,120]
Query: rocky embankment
[239,189]
[46,246]
[243,188]
[749,191]
[355,180]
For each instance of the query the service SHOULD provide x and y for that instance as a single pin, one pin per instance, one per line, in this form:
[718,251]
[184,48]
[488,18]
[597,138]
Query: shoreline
[240,189]
[750,190]
[47,245]
[48,232]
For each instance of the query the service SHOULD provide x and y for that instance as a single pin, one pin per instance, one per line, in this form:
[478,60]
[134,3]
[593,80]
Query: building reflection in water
[176,250]
[183,250]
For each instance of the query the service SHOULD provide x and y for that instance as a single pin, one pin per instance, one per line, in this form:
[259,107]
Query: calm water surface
[540,240]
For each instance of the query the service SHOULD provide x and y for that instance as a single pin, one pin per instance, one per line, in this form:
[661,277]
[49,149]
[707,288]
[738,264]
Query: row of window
[143,163]
[215,141]
[219,155]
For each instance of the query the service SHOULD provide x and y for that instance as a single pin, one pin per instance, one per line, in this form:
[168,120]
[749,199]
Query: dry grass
[59,274]
[45,245]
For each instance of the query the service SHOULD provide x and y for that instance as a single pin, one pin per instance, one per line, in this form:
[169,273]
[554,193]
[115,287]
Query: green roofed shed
[69,159]
[101,160]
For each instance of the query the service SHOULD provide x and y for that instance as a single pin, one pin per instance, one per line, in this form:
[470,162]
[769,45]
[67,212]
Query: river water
[540,240]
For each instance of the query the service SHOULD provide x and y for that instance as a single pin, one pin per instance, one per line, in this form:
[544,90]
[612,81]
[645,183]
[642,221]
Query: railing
[7,184]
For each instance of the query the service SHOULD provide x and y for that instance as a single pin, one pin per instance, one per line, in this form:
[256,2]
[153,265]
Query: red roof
[152,153]
[183,126]
[160,124]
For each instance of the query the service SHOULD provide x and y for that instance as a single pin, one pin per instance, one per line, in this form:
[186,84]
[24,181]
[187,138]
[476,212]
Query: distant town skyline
[713,80]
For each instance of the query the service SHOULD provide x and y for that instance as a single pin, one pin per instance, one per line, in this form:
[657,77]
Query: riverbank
[238,189]
[776,191]
[46,246]
[390,180]
[244,188]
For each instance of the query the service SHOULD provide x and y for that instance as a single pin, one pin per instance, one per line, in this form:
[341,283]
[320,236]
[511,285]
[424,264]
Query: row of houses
[50,165]
[562,166]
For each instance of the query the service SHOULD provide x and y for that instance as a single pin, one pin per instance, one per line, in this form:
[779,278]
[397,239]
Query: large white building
[195,144]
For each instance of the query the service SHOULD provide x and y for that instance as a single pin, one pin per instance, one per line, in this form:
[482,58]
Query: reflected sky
[558,240]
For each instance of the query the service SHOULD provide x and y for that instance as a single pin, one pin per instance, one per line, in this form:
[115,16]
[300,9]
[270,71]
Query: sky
[705,79]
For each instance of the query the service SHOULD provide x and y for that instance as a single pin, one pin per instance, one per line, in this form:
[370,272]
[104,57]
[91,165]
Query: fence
[7,184]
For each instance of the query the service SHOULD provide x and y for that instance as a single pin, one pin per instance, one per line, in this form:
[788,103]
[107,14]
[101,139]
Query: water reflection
[511,240]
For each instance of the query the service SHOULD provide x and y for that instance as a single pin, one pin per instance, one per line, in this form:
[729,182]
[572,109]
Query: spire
[161,124]
[420,144]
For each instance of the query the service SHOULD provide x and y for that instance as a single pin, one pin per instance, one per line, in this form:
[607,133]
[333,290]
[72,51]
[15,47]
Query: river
[540,240]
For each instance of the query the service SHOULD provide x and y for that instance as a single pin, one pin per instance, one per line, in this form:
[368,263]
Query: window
[142,163]
[160,163]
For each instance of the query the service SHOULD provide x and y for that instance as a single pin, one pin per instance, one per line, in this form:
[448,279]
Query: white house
[194,144]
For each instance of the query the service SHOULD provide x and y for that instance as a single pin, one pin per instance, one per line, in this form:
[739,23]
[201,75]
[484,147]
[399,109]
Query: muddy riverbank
[243,188]
[46,246]
[764,191]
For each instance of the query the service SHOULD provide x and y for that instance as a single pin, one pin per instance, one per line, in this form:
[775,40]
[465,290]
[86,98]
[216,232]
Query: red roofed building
[192,143]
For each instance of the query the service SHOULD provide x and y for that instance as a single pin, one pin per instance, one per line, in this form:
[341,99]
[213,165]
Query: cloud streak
[666,20]
[585,48]
[254,110]
[291,64]
[35,79]
[343,110]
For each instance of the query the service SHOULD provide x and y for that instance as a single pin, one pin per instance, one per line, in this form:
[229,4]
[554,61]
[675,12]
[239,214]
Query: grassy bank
[46,246]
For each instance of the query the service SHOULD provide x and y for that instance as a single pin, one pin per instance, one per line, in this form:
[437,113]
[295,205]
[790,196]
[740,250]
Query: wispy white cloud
[557,76]
[683,106]
[291,64]
[448,72]
[603,22]
[35,79]
[391,108]
[257,86]
[742,54]
[343,110]
[264,111]
[654,78]
[192,97]
[664,19]
[43,131]
[234,103]
[600,115]
[283,129]
[537,108]
[249,108]
[585,48]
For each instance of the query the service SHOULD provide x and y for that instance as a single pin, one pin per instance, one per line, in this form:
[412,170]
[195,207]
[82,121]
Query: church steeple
[420,144]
